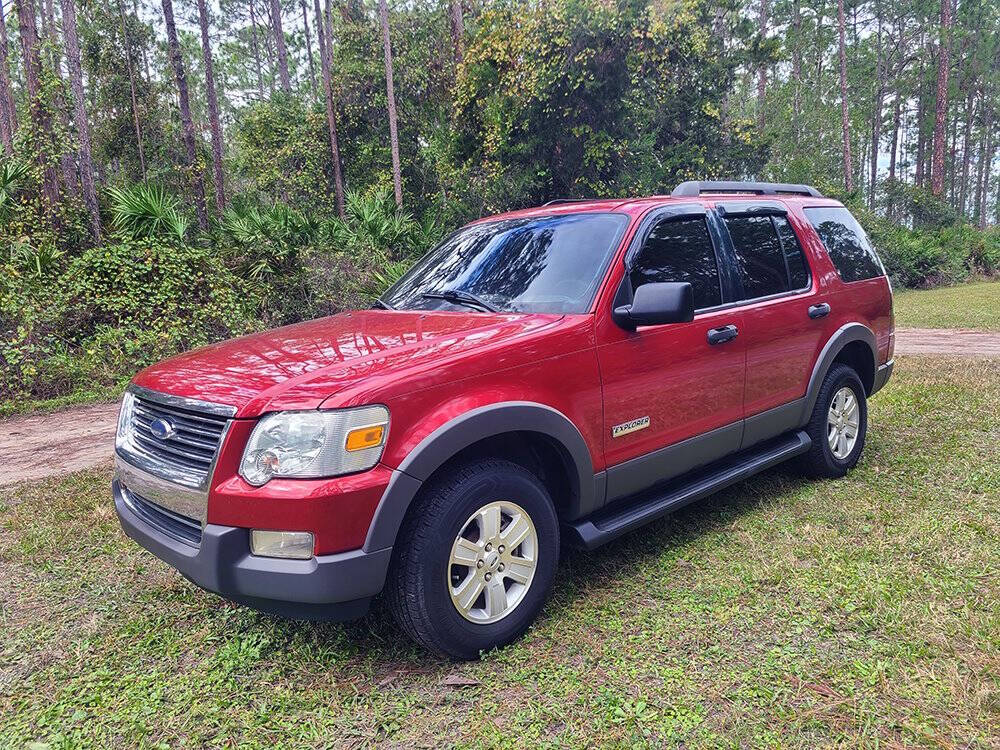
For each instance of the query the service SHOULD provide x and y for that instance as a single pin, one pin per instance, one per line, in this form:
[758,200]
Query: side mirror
[656,304]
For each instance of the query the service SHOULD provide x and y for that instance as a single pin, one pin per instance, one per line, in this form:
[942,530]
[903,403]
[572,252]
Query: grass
[973,305]
[863,612]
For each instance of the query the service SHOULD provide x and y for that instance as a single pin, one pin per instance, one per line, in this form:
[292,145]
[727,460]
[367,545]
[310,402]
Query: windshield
[549,264]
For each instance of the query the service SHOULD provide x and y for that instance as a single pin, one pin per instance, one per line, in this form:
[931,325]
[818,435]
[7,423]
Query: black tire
[820,461]
[417,585]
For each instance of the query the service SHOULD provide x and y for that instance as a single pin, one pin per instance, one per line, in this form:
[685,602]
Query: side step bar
[629,514]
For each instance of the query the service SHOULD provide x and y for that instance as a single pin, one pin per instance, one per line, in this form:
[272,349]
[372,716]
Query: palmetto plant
[374,226]
[268,239]
[146,210]
[34,260]
[12,173]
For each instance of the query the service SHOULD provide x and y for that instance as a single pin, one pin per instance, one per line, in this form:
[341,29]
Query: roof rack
[693,188]
[557,201]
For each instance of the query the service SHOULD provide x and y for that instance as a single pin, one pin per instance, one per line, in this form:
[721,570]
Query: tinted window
[798,270]
[551,264]
[846,242]
[680,250]
[760,255]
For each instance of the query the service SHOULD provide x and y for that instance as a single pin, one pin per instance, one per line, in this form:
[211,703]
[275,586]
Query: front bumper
[327,587]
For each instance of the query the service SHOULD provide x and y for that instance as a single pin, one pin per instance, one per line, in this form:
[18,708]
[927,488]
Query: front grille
[182,528]
[189,452]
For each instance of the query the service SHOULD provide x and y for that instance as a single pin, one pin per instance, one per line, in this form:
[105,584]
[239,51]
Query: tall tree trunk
[844,114]
[397,179]
[309,46]
[131,88]
[880,65]
[918,167]
[326,59]
[762,69]
[941,107]
[37,107]
[145,57]
[457,24]
[796,66]
[951,168]
[255,47]
[279,40]
[896,116]
[987,168]
[66,166]
[8,110]
[820,48]
[177,60]
[213,111]
[268,41]
[320,35]
[80,115]
[963,189]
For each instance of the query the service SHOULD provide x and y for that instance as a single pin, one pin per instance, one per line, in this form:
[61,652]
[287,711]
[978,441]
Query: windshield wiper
[457,296]
[381,303]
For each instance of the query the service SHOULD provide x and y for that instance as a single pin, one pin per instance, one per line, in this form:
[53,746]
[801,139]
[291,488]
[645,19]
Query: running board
[628,514]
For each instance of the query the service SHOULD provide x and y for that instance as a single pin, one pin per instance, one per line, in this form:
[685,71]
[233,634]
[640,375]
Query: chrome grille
[187,453]
[182,528]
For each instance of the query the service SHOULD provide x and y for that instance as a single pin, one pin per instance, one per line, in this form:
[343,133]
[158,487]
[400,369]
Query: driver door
[672,400]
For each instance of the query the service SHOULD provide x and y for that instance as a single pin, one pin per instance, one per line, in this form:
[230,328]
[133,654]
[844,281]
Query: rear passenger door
[784,320]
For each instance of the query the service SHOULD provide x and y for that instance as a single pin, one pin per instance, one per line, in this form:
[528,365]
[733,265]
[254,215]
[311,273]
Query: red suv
[560,375]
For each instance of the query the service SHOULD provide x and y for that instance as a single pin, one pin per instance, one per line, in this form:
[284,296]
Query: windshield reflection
[550,264]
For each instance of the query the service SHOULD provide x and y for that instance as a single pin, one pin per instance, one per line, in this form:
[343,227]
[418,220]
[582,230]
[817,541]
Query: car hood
[302,365]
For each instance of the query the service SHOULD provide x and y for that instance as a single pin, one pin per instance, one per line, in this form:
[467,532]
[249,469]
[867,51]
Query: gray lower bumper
[328,587]
[882,375]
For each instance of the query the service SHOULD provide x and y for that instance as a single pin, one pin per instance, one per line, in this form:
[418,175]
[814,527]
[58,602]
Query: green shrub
[177,291]
[117,308]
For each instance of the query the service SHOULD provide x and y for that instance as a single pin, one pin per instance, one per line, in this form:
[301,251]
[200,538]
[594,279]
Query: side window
[759,255]
[680,250]
[798,269]
[846,242]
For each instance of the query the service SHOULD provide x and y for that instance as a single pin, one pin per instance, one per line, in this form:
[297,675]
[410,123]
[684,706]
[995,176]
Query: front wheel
[838,426]
[475,560]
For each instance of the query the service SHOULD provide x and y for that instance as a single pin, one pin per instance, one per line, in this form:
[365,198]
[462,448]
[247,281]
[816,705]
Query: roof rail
[557,201]
[693,188]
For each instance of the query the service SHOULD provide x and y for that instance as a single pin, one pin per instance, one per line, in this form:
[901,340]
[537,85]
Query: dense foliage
[525,102]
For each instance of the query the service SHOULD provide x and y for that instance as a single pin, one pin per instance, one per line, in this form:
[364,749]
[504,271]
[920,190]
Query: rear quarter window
[846,242]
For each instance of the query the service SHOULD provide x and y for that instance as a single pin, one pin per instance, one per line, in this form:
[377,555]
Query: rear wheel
[475,559]
[838,426]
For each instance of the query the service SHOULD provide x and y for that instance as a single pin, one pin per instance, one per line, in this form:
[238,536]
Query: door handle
[722,335]
[819,311]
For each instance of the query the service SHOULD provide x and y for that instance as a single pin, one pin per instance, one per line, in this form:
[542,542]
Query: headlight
[125,418]
[310,444]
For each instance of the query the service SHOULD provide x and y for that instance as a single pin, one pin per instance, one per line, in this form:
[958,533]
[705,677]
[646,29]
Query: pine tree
[213,110]
[187,124]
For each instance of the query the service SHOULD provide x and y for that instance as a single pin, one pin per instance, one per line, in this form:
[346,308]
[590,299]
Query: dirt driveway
[45,445]
[962,342]
[50,444]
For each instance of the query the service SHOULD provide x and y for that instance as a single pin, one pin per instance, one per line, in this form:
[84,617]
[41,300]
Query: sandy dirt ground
[44,445]
[964,342]
[38,446]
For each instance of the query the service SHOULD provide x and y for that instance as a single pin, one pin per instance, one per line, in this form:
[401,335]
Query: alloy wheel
[843,422]
[492,562]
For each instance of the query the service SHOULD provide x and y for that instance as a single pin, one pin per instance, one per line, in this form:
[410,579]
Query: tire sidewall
[840,378]
[477,490]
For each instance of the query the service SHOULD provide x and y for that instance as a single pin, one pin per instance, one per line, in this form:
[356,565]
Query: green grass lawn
[781,613]
[975,305]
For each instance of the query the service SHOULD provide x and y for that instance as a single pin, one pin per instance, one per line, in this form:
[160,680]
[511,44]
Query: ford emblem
[162,429]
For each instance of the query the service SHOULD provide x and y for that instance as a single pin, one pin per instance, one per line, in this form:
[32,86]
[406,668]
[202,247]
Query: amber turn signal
[365,437]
